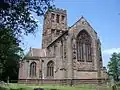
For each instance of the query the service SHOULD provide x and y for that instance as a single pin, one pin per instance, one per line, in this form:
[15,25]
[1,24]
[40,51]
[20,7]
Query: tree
[10,54]
[15,21]
[114,66]
[16,14]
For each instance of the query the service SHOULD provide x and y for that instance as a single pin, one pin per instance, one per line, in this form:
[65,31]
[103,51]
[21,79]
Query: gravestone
[113,84]
[114,87]
[38,89]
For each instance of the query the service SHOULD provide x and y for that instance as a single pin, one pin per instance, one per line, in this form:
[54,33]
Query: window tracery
[33,69]
[50,69]
[84,47]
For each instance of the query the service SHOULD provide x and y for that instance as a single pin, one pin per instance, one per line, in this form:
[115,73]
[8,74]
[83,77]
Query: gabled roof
[36,52]
[80,20]
[83,21]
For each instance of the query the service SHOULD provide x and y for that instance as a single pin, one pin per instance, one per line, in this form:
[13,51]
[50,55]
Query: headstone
[8,80]
[112,82]
[38,89]
[114,87]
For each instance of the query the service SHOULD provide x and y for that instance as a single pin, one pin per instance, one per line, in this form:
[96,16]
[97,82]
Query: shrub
[2,88]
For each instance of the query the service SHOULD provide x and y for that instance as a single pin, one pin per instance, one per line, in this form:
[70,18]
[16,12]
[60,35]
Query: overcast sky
[103,16]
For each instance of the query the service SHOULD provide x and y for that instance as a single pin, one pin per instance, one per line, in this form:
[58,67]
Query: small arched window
[33,69]
[50,69]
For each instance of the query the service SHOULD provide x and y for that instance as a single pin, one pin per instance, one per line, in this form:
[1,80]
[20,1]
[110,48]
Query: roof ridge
[57,38]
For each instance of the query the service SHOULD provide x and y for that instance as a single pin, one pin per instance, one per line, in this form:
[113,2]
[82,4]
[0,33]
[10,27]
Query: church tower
[55,23]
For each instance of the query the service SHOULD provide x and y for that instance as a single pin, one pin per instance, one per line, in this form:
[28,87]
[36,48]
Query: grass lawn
[51,87]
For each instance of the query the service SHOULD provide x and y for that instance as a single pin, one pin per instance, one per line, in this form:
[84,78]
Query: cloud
[107,54]
[111,51]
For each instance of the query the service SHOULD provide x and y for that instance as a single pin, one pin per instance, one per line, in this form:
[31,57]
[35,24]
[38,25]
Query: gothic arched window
[50,69]
[33,69]
[84,47]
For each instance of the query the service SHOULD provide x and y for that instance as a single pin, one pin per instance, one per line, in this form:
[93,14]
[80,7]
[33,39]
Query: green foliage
[17,15]
[15,21]
[114,66]
[56,87]
[10,54]
[51,87]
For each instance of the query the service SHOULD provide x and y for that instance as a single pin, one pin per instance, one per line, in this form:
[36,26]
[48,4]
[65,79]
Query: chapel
[69,54]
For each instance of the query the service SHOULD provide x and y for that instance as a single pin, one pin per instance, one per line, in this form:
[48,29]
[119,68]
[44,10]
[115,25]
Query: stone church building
[68,54]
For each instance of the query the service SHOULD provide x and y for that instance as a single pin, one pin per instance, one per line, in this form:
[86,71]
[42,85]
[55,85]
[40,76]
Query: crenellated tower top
[58,10]
[55,23]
